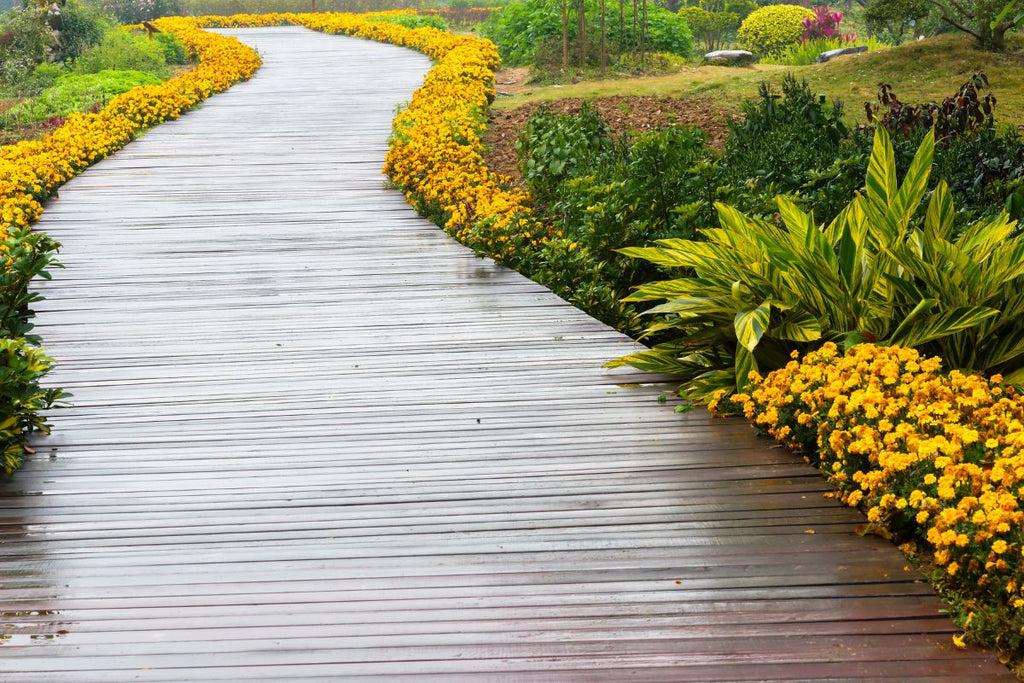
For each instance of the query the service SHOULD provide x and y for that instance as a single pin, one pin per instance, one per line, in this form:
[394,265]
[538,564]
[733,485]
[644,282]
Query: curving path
[313,438]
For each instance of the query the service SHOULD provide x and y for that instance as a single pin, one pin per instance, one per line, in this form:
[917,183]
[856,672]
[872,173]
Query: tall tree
[565,35]
[604,41]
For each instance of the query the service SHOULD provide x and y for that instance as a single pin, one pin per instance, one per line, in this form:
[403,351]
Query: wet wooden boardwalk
[313,438]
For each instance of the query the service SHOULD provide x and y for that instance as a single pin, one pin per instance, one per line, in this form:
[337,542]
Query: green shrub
[123,51]
[77,92]
[712,29]
[606,194]
[83,25]
[801,54]
[554,147]
[761,290]
[36,81]
[22,399]
[173,51]
[768,31]
[29,42]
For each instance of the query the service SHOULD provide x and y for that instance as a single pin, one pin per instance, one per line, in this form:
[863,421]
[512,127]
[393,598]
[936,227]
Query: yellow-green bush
[770,30]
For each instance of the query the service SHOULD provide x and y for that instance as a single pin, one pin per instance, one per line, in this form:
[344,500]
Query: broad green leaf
[880,183]
[853,338]
[653,361]
[745,364]
[695,306]
[928,328]
[666,289]
[751,324]
[915,183]
[1015,378]
[799,327]
[702,387]
[939,218]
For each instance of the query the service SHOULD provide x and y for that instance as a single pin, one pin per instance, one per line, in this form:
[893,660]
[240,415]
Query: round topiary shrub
[770,30]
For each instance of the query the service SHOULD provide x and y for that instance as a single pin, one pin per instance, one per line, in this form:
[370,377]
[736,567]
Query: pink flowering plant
[824,25]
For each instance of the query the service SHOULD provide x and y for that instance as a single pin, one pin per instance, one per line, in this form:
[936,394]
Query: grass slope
[920,71]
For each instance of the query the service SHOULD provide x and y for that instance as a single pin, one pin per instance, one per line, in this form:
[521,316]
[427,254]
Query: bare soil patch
[625,114]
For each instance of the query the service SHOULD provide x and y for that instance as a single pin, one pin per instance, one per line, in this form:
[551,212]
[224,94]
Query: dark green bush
[172,49]
[83,25]
[28,42]
[123,51]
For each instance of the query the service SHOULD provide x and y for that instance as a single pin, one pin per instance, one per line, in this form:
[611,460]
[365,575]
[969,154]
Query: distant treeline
[228,7]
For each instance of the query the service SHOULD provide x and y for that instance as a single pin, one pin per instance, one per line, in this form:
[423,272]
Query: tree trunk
[565,36]
[582,37]
[604,41]
[622,27]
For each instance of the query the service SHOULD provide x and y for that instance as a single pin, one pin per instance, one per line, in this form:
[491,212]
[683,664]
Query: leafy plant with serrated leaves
[762,290]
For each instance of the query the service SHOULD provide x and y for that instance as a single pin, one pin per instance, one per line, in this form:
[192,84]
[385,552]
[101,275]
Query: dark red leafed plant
[959,115]
[825,25]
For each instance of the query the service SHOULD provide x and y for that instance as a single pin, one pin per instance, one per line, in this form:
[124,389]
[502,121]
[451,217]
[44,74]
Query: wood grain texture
[313,438]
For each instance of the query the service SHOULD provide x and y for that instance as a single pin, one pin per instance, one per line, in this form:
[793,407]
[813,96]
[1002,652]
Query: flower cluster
[825,25]
[936,458]
[31,170]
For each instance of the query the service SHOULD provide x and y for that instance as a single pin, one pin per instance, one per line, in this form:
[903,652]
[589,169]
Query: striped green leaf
[751,323]
[926,328]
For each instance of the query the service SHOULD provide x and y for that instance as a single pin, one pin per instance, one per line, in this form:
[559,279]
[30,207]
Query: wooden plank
[313,438]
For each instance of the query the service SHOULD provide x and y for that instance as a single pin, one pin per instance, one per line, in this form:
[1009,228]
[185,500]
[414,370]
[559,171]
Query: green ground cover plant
[76,92]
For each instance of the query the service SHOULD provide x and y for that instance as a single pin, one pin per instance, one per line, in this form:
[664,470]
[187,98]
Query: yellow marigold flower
[999,547]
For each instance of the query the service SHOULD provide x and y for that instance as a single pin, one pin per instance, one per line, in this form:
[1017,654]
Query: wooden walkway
[313,438]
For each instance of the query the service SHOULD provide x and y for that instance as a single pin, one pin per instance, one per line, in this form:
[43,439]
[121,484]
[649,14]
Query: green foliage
[761,290]
[982,163]
[22,399]
[606,194]
[77,92]
[891,19]
[712,29]
[741,8]
[800,54]
[985,20]
[414,21]
[768,31]
[123,51]
[171,48]
[22,364]
[83,24]
[553,148]
[36,81]
[793,143]
[28,42]
[521,26]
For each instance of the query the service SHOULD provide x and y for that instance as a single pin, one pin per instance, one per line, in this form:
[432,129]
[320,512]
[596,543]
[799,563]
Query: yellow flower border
[436,155]
[31,171]
[935,458]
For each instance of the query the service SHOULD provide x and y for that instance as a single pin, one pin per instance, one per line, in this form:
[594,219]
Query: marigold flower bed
[936,459]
